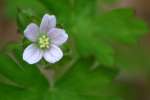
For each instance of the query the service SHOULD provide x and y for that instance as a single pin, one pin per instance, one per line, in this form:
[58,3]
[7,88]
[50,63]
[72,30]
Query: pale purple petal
[48,22]
[32,54]
[58,36]
[53,54]
[31,32]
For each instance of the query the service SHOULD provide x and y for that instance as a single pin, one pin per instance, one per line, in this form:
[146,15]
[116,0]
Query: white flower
[46,41]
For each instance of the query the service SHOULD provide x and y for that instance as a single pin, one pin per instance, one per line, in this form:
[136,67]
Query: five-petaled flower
[46,41]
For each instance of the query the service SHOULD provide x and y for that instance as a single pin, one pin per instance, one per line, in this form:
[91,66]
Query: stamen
[44,42]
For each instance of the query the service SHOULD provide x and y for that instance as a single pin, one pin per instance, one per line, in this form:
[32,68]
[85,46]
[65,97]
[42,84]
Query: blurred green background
[110,37]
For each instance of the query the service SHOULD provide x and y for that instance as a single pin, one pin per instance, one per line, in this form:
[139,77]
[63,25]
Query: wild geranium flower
[46,41]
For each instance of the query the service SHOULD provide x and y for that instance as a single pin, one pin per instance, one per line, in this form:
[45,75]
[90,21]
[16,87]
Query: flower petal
[32,54]
[31,32]
[53,54]
[58,36]
[48,22]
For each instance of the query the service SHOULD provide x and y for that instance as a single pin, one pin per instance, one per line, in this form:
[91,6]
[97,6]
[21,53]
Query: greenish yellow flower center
[44,42]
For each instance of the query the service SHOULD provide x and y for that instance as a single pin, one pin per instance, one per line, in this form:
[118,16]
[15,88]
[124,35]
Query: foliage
[90,53]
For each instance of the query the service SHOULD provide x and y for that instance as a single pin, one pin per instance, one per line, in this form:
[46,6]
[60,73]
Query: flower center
[44,42]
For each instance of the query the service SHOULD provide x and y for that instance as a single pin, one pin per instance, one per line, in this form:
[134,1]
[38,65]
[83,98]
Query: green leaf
[21,79]
[67,10]
[83,83]
[22,74]
[121,25]
[23,19]
[11,7]
[80,82]
[95,35]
